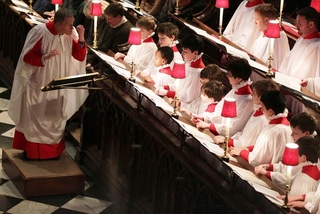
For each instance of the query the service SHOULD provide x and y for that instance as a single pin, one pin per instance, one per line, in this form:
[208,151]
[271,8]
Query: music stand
[74,82]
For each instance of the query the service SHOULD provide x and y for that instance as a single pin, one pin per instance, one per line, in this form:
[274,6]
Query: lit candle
[57,7]
[271,46]
[177,83]
[289,174]
[227,126]
[281,6]
[221,17]
[95,23]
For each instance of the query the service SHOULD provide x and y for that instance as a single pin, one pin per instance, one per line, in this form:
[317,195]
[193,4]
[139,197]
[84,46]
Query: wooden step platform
[46,177]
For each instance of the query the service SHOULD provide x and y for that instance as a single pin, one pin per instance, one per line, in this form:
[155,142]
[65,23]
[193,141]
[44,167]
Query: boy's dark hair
[261,86]
[168,29]
[213,89]
[274,100]
[61,14]
[309,147]
[304,121]
[192,42]
[146,22]
[267,10]
[310,14]
[166,53]
[240,68]
[211,72]
[114,9]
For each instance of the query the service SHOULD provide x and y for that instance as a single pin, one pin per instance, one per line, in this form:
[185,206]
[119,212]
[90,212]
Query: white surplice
[41,116]
[241,28]
[261,49]
[313,201]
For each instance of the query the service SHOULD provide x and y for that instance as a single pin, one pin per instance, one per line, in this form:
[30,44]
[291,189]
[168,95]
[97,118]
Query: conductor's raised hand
[80,29]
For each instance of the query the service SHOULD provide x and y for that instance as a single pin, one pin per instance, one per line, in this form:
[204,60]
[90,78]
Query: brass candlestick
[177,8]
[30,7]
[95,42]
[220,32]
[175,107]
[270,72]
[286,199]
[137,6]
[132,71]
[225,156]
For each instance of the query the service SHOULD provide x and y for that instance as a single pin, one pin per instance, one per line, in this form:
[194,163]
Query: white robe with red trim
[163,76]
[189,90]
[302,61]
[271,143]
[248,136]
[313,201]
[261,49]
[306,180]
[241,28]
[141,54]
[41,116]
[244,110]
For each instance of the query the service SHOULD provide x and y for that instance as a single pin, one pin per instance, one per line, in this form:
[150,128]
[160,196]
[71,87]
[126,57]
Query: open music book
[110,60]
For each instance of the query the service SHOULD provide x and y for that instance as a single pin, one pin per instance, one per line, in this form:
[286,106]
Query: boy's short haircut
[193,42]
[309,147]
[211,72]
[114,9]
[166,53]
[146,22]
[168,29]
[261,86]
[304,121]
[274,100]
[267,10]
[240,68]
[213,89]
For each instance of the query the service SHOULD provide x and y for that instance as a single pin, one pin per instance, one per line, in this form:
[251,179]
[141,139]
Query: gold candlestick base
[225,156]
[270,73]
[286,207]
[175,107]
[95,42]
[220,32]
[30,8]
[137,6]
[132,78]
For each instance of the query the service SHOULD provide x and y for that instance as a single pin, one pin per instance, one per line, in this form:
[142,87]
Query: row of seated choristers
[261,130]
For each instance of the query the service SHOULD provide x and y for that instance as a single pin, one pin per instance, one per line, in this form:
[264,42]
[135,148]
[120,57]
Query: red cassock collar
[50,26]
[258,113]
[174,48]
[313,35]
[254,3]
[150,39]
[197,63]
[245,90]
[211,107]
[312,171]
[280,120]
[166,70]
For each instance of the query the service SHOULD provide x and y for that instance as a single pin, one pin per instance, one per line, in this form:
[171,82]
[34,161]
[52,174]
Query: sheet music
[110,60]
[288,81]
[21,9]
[269,193]
[34,21]
[248,176]
[21,4]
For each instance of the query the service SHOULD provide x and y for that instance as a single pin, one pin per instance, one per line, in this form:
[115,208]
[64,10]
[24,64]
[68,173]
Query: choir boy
[143,53]
[270,144]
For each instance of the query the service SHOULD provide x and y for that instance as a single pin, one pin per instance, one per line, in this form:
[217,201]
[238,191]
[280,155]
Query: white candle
[227,126]
[281,6]
[221,17]
[177,83]
[57,7]
[271,46]
[95,23]
[289,174]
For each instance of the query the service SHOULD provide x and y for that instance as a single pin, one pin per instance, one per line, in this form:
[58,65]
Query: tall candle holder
[281,9]
[95,11]
[178,72]
[229,110]
[176,12]
[134,39]
[30,8]
[272,32]
[221,4]
[290,158]
[137,5]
